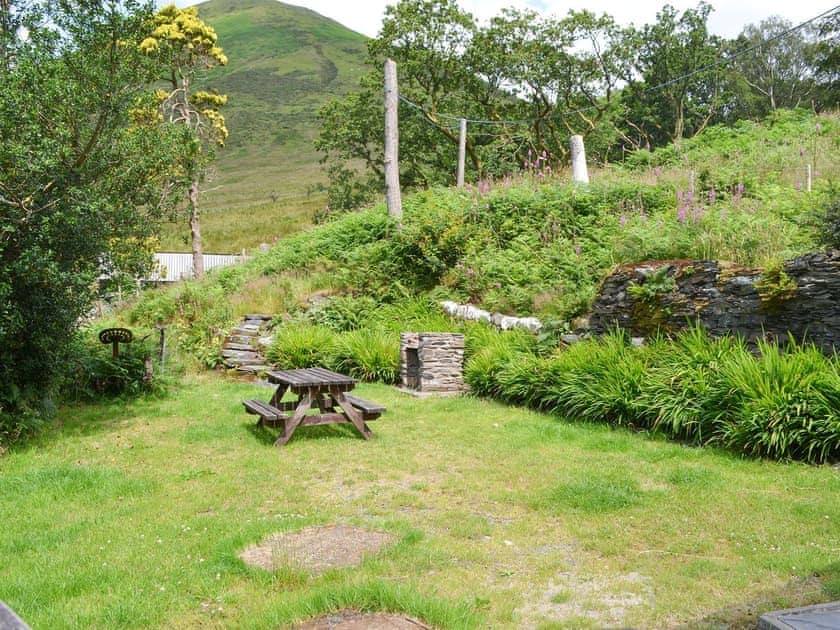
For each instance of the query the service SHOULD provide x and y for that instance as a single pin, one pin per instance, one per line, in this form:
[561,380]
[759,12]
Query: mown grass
[132,515]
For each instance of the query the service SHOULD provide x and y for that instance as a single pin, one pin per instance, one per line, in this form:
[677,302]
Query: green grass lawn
[132,515]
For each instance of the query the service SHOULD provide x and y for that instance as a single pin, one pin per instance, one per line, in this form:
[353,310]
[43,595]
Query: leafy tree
[183,44]
[427,40]
[533,71]
[680,88]
[771,68]
[79,179]
[826,59]
[561,75]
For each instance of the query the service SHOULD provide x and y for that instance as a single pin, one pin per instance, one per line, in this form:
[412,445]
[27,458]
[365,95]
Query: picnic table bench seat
[269,414]
[369,410]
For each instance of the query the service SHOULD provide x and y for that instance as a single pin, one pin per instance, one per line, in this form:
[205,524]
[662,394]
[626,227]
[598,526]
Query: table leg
[292,423]
[351,413]
[278,395]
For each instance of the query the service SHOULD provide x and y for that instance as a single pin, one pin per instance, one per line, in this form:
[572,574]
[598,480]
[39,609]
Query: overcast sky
[727,20]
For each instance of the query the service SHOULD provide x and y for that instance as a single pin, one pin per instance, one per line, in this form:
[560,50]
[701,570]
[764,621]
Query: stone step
[240,354]
[258,318]
[244,331]
[254,369]
[239,362]
[228,345]
[242,339]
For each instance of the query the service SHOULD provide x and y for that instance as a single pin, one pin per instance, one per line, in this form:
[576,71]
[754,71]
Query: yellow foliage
[184,32]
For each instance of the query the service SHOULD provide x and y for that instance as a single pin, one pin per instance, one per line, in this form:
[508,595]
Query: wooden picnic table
[313,388]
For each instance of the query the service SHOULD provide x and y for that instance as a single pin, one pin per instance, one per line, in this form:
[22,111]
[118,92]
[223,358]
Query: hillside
[284,63]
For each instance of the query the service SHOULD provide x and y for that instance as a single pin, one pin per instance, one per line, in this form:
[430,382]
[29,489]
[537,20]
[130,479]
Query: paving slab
[9,620]
[818,617]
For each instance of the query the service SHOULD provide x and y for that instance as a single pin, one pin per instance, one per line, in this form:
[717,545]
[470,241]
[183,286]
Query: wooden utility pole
[393,198]
[462,152]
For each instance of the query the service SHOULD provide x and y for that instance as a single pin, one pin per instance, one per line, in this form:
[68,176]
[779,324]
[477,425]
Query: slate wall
[802,297]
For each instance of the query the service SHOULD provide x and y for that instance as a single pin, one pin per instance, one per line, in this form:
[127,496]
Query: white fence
[170,267]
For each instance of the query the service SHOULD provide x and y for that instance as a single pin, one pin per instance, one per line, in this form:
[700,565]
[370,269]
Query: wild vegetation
[69,94]
[526,82]
[540,246]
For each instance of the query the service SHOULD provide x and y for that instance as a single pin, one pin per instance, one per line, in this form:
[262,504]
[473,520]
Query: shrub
[598,381]
[368,355]
[828,221]
[96,373]
[302,345]
[343,312]
[676,396]
[785,404]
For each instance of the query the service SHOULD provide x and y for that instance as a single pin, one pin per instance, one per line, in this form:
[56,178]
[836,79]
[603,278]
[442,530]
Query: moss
[775,288]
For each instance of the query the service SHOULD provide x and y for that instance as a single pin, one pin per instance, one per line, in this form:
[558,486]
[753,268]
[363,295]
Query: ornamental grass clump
[676,393]
[784,404]
[368,354]
[599,381]
[302,345]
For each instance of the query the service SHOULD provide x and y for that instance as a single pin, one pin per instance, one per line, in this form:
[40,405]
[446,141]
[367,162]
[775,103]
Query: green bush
[785,404]
[828,220]
[343,312]
[677,396]
[368,354]
[488,352]
[300,345]
[597,381]
[782,404]
[95,373]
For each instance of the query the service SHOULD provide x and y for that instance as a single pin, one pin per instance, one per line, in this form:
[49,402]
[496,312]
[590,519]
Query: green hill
[284,63]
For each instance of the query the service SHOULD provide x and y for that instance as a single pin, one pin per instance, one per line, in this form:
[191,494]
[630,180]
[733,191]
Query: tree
[185,45]
[563,74]
[526,82]
[680,88]
[79,179]
[771,68]
[825,54]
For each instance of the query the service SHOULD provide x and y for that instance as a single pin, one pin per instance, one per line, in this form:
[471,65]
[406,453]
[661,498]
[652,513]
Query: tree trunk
[195,231]
[679,124]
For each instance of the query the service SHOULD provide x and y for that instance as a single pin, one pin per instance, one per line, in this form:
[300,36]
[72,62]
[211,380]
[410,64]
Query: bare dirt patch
[604,601]
[316,549]
[351,620]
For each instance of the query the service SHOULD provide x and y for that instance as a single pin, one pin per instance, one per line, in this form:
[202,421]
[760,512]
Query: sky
[727,20]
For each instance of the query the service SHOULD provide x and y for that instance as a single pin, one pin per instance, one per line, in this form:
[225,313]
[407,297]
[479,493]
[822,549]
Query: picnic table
[313,388]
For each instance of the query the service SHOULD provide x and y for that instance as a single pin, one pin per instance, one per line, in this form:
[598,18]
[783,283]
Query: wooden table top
[310,377]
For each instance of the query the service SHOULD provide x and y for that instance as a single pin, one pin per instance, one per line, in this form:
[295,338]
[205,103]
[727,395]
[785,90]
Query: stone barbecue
[432,362]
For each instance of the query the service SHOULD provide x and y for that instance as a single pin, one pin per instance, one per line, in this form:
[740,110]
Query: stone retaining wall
[801,298]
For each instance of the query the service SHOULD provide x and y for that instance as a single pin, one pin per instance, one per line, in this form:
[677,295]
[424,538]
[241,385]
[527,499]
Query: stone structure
[801,298]
[432,362]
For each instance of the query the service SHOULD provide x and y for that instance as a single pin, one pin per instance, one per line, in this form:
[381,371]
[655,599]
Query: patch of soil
[352,620]
[316,549]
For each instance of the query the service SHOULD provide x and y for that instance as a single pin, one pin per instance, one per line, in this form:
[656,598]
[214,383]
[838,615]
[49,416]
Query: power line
[724,62]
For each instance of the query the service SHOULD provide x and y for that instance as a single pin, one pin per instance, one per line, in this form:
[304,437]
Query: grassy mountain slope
[284,63]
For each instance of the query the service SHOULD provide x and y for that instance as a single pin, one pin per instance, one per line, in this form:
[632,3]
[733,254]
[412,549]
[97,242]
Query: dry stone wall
[432,362]
[801,298]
